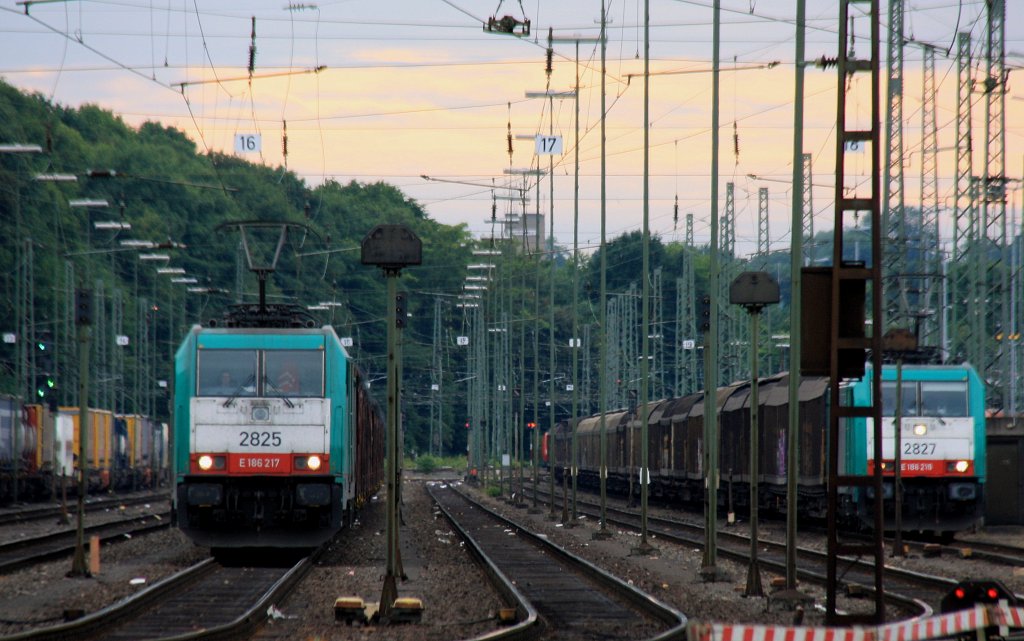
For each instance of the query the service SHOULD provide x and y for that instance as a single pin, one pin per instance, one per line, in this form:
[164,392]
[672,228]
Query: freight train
[942,447]
[125,452]
[277,440]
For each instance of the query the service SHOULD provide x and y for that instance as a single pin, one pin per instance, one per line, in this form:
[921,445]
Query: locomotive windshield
[944,399]
[908,391]
[293,373]
[227,372]
[927,398]
[248,372]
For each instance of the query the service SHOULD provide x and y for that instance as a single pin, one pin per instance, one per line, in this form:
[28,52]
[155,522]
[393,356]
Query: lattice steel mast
[893,213]
[928,257]
[809,250]
[687,369]
[763,240]
[965,313]
[731,365]
[855,288]
[993,209]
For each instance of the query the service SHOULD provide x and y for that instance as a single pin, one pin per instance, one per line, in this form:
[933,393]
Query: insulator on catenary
[550,51]
[252,48]
[284,139]
[509,136]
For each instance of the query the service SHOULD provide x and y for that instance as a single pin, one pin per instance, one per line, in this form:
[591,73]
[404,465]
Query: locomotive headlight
[961,466]
[313,462]
[261,413]
[205,462]
[920,429]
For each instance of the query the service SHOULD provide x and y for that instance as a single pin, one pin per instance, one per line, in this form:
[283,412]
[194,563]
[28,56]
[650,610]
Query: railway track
[573,599]
[909,593]
[1000,553]
[25,552]
[13,516]
[208,600]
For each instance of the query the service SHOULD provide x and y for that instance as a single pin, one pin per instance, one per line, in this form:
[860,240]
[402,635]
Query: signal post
[392,247]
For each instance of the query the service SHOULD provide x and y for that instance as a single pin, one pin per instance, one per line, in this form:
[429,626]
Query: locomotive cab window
[226,372]
[944,398]
[293,373]
[908,391]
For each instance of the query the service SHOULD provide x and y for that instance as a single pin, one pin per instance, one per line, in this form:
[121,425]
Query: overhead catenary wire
[205,122]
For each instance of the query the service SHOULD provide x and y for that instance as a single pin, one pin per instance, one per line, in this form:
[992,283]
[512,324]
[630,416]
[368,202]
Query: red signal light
[968,593]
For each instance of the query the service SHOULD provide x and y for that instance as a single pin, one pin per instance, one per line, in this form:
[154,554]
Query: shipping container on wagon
[10,420]
[40,479]
[17,444]
[100,447]
[64,455]
[40,426]
[162,463]
[15,431]
[143,449]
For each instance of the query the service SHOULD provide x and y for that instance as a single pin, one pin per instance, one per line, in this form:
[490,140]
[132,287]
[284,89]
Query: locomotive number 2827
[259,439]
[913,448]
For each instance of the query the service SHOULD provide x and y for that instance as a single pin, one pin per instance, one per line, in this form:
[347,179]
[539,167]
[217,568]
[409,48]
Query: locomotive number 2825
[259,439]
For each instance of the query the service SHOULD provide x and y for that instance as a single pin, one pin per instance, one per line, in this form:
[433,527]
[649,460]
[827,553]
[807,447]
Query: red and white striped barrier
[936,627]
[947,625]
[730,632]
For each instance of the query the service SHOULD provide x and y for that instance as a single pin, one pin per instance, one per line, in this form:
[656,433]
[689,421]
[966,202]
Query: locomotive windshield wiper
[238,390]
[275,388]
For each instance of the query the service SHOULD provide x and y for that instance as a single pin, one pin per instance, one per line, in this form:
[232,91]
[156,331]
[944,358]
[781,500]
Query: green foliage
[427,463]
[167,189]
[456,463]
